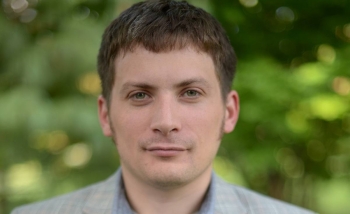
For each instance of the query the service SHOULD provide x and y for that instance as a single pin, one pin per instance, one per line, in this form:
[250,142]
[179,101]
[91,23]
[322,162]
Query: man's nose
[165,118]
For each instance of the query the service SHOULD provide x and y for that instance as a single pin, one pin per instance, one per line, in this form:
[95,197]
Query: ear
[232,111]
[104,116]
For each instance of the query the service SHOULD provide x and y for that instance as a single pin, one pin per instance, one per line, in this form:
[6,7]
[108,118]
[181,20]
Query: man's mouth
[165,151]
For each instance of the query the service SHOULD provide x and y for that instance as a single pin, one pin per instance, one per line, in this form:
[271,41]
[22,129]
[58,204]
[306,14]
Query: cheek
[207,124]
[207,128]
[128,126]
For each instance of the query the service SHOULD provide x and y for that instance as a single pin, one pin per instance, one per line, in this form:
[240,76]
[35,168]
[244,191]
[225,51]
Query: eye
[191,93]
[139,96]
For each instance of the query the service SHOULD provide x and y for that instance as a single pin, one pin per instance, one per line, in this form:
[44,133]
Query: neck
[146,199]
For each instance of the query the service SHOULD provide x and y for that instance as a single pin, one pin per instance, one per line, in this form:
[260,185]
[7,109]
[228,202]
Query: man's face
[166,115]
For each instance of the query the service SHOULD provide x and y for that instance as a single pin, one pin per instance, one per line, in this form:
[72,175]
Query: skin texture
[167,116]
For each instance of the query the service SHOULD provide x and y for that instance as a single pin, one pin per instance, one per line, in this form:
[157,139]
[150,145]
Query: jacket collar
[226,198]
[103,194]
[100,200]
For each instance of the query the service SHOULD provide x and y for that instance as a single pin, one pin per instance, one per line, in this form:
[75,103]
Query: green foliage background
[292,141]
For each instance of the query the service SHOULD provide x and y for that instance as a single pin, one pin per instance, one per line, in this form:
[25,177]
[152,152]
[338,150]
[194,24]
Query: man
[166,69]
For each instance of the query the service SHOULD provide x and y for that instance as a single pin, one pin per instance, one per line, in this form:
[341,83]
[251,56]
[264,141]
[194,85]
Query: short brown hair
[161,26]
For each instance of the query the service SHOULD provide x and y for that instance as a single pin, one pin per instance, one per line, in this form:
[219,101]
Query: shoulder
[230,197]
[73,202]
[74,199]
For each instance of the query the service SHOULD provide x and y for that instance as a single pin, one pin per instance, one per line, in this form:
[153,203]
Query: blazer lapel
[101,199]
[226,199]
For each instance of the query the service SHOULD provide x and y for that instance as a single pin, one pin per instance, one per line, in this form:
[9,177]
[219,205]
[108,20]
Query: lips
[165,151]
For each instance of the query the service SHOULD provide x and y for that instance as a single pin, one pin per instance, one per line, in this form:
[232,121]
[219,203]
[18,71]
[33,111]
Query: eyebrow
[140,85]
[146,86]
[192,81]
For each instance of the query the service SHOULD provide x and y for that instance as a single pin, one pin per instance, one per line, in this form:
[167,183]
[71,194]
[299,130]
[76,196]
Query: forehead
[164,66]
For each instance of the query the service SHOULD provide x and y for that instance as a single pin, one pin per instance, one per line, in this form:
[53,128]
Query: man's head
[166,68]
[163,26]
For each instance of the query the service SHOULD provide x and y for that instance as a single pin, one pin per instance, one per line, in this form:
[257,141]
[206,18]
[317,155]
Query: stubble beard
[170,180]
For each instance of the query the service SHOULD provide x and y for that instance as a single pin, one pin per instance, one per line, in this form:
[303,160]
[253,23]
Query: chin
[170,177]
[168,181]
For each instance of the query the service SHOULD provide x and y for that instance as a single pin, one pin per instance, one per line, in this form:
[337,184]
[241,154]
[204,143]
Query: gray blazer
[98,199]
